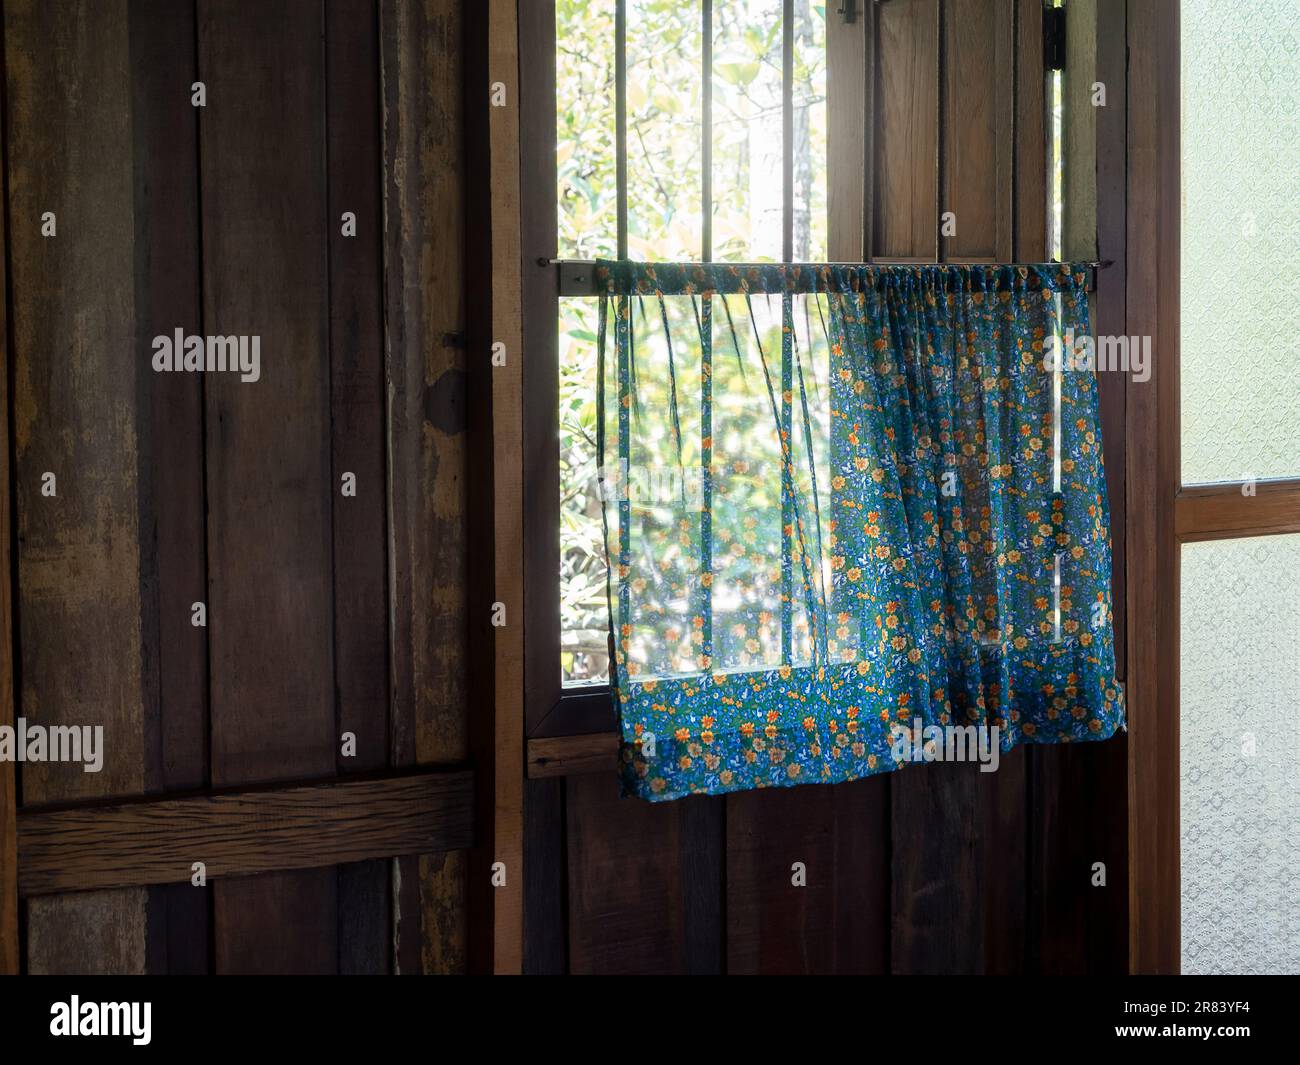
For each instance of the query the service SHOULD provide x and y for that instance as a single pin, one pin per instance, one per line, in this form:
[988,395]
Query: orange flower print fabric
[846,505]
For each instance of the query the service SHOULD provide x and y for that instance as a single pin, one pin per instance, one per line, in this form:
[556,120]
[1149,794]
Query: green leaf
[738,73]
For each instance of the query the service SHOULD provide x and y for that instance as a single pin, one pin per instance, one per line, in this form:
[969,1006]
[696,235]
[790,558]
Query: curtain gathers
[848,529]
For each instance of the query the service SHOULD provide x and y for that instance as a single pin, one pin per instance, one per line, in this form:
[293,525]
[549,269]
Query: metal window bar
[576,277]
[620,121]
[1056,237]
[706,339]
[787,350]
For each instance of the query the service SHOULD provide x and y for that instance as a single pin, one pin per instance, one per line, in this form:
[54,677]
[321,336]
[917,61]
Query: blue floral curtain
[854,516]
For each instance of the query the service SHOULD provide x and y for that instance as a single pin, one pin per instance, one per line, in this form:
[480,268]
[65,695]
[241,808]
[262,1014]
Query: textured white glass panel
[1240,759]
[1240,239]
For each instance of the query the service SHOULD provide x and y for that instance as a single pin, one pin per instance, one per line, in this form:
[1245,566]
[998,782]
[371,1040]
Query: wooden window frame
[552,710]
[548,708]
[575,729]
[1163,513]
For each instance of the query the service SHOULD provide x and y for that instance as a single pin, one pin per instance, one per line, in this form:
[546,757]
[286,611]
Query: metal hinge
[1054,38]
[848,10]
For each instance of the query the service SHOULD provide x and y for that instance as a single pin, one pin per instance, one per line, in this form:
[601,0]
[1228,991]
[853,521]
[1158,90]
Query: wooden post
[1153,250]
[9,961]
[507,462]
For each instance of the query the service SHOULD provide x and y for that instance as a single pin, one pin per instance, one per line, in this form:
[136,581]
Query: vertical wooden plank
[74,414]
[162,41]
[1031,235]
[1030,190]
[545,920]
[1004,128]
[1108,924]
[358,444]
[859,844]
[544,856]
[541,323]
[1078,793]
[838,921]
[10,959]
[1004,795]
[1109,302]
[1077,817]
[703,865]
[906,213]
[978,143]
[1079,130]
[848,86]
[938,876]
[173,557]
[958,835]
[424,326]
[861,929]
[270,611]
[626,904]
[1003,803]
[977,133]
[1153,235]
[775,925]
[497,905]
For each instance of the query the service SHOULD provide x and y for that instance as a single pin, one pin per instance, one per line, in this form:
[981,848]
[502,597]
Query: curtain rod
[576,277]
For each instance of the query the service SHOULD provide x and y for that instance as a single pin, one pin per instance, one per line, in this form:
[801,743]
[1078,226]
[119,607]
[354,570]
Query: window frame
[854,231]
[550,708]
[1164,514]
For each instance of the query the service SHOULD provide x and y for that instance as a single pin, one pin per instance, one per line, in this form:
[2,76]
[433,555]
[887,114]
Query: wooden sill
[562,756]
[1220,511]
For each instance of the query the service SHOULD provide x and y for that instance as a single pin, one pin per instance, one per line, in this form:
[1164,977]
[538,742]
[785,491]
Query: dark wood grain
[265,255]
[838,922]
[541,322]
[637,901]
[1058,878]
[1215,512]
[938,875]
[173,559]
[10,957]
[545,909]
[906,209]
[560,756]
[1109,304]
[170,427]
[978,106]
[1152,481]
[493,265]
[424,329]
[1108,915]
[849,83]
[357,410]
[979,133]
[75,409]
[545,874]
[703,857]
[1030,189]
[242,833]
[956,844]
[1079,132]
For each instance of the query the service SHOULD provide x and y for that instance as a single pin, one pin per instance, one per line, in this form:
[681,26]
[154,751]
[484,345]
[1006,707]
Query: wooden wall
[946,870]
[329,614]
[326,614]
